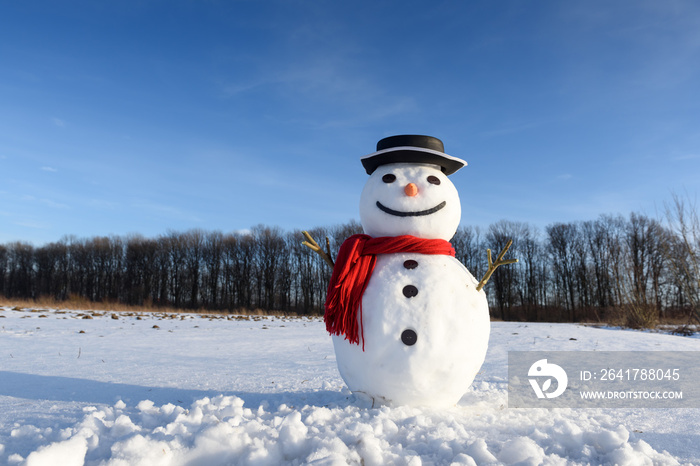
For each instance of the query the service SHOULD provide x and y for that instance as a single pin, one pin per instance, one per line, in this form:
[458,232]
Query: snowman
[410,324]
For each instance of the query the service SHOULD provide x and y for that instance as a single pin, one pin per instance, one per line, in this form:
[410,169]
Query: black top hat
[411,148]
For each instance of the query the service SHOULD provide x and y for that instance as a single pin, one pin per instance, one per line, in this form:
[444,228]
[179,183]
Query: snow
[190,390]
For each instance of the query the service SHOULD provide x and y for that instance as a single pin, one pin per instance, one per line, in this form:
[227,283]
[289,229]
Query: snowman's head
[408,192]
[410,199]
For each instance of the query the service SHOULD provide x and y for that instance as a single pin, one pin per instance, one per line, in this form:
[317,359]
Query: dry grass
[613,317]
[81,304]
[640,316]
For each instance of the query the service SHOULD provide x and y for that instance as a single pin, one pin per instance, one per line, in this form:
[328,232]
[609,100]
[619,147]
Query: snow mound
[221,431]
[213,391]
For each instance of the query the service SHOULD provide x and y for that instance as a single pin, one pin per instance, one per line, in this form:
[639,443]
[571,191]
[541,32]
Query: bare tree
[3,269]
[140,277]
[268,244]
[533,277]
[562,245]
[20,269]
[505,279]
[598,234]
[469,247]
[644,239]
[212,259]
[193,242]
[684,252]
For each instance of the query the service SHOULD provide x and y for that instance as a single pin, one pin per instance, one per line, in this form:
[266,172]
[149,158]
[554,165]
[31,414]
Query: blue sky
[148,116]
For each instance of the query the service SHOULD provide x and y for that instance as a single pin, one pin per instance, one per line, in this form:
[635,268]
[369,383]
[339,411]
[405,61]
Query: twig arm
[494,265]
[313,245]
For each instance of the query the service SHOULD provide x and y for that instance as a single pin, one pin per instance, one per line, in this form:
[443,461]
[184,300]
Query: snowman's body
[451,323]
[425,327]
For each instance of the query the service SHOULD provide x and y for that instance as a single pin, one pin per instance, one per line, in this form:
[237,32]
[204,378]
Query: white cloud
[103,204]
[319,82]
[565,176]
[45,201]
[30,224]
[167,211]
[687,157]
[243,231]
[49,169]
[510,129]
[59,122]
[53,204]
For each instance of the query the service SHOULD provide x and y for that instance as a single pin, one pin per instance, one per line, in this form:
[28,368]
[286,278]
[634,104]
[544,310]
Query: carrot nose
[411,189]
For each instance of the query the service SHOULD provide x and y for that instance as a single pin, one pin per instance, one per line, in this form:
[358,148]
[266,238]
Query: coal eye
[389,178]
[433,179]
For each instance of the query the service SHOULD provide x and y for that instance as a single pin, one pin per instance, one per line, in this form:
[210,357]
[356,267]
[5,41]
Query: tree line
[634,268]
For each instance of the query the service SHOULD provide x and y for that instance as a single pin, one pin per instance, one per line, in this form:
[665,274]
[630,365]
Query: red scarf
[352,271]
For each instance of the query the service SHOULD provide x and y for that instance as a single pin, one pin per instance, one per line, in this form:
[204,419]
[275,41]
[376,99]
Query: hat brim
[410,154]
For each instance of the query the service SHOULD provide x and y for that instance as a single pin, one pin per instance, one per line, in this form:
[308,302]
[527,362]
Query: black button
[410,264]
[410,291]
[409,337]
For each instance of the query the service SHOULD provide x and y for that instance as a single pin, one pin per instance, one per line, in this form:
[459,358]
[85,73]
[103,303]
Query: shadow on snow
[57,388]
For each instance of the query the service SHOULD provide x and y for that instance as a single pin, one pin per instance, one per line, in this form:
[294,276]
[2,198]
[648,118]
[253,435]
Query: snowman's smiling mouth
[419,213]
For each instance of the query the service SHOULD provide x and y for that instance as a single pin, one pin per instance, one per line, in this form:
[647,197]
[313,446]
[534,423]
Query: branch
[313,245]
[494,265]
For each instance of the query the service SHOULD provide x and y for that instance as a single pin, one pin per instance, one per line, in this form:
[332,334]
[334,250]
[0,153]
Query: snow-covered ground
[193,390]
